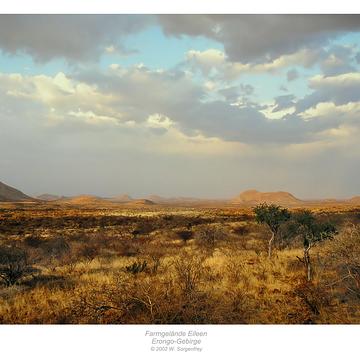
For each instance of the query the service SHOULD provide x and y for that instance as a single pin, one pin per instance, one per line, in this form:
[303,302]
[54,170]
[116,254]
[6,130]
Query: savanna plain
[178,265]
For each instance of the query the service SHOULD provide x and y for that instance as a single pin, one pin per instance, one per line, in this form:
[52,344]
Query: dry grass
[183,282]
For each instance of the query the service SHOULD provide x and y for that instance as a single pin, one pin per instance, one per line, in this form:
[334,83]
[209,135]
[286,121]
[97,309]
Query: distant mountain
[173,200]
[140,202]
[93,201]
[121,198]
[355,200]
[50,197]
[247,198]
[156,198]
[254,197]
[83,200]
[8,193]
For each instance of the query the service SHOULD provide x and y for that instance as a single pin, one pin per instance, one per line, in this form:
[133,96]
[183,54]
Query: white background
[179,6]
[291,342]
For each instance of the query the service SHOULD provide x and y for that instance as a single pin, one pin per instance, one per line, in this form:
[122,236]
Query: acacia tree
[312,232]
[273,216]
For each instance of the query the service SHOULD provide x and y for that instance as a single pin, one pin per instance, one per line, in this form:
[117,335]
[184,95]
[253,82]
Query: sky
[180,105]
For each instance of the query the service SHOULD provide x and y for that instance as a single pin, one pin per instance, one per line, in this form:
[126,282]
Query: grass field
[157,265]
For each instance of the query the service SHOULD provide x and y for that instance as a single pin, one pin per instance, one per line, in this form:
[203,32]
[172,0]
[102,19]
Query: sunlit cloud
[194,92]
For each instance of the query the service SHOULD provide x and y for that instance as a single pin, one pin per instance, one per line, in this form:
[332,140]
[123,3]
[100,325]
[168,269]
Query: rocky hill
[8,193]
[254,197]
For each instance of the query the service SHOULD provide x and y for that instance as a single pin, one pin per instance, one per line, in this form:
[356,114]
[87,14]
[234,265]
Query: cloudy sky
[185,105]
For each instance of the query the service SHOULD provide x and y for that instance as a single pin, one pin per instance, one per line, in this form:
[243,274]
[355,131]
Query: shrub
[184,235]
[314,297]
[343,256]
[55,251]
[241,230]
[189,269]
[33,241]
[144,227]
[88,253]
[154,255]
[136,267]
[128,247]
[14,265]
[209,236]
[234,267]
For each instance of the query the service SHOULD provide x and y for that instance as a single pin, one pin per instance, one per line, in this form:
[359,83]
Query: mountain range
[246,198]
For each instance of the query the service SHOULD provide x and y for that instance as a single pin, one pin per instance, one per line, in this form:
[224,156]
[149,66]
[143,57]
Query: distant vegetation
[265,264]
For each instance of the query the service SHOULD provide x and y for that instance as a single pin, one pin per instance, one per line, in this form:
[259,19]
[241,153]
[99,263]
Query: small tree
[14,265]
[273,216]
[312,232]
